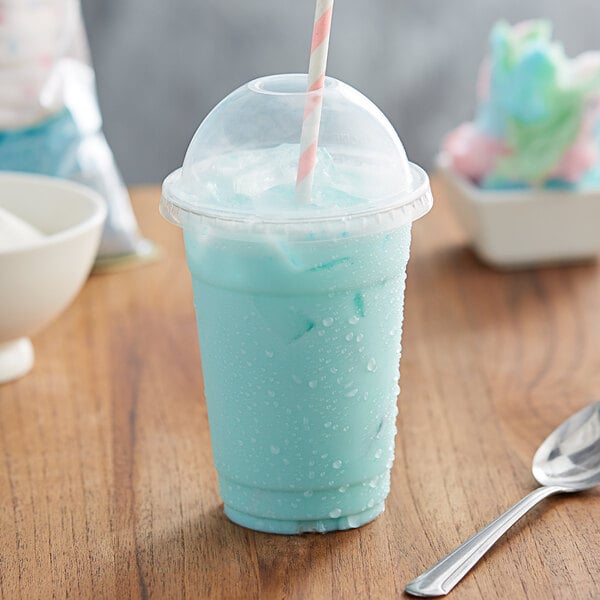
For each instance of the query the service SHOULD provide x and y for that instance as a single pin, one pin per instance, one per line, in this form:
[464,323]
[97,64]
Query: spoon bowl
[570,455]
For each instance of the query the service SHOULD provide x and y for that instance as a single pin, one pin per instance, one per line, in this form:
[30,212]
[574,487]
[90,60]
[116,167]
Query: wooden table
[107,488]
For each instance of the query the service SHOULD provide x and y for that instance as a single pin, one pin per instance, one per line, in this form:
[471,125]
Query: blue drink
[299,312]
[300,353]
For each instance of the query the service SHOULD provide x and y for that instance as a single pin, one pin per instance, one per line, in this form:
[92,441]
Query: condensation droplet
[353,320]
[327,322]
[360,337]
[343,488]
[353,521]
[313,384]
[296,379]
[371,503]
[352,393]
[333,370]
[269,354]
[378,453]
[275,450]
[336,464]
[327,424]
[271,393]
[372,365]
[335,513]
[349,336]
[308,493]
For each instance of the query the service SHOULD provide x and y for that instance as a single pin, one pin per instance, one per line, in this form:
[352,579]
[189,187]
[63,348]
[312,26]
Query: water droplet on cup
[313,384]
[336,464]
[335,513]
[327,322]
[275,450]
[353,320]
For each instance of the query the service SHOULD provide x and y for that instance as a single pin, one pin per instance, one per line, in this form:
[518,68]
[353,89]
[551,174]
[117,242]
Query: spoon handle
[444,575]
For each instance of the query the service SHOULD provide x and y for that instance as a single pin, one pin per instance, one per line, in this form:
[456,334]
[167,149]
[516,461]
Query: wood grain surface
[107,488]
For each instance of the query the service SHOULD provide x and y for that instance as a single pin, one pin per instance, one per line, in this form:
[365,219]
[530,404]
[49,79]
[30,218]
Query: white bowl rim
[96,218]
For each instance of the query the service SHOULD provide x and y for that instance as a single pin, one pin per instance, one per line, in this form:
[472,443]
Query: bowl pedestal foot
[16,359]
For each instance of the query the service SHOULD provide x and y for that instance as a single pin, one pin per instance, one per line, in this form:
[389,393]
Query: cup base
[295,527]
[16,359]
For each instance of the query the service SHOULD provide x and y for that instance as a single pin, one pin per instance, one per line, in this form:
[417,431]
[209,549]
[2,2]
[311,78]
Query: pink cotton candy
[577,160]
[471,153]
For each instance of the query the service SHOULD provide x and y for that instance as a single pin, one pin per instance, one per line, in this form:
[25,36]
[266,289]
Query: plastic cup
[299,307]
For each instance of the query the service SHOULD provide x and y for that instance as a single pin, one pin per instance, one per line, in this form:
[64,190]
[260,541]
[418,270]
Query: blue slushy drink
[299,307]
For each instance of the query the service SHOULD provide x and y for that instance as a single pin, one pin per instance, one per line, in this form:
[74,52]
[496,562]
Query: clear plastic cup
[299,305]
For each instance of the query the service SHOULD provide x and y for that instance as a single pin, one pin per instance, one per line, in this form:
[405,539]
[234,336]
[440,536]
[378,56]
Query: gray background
[161,65]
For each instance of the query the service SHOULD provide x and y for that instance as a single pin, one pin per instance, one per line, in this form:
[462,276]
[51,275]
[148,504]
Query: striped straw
[314,102]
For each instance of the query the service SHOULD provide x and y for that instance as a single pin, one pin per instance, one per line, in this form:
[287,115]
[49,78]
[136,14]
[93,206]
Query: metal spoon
[568,461]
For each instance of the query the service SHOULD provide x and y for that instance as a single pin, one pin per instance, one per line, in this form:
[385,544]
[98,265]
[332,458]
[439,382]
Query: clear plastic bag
[50,122]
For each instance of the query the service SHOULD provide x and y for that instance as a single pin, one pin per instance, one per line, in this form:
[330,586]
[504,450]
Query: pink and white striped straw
[314,102]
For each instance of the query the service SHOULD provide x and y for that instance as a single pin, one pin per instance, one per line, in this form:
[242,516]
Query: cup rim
[394,211]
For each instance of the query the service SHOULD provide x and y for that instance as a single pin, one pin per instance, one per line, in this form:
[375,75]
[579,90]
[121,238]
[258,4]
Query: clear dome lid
[242,162]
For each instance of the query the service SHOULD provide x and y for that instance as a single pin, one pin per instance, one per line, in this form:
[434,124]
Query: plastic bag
[50,122]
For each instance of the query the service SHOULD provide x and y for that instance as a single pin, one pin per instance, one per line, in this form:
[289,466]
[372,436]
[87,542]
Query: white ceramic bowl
[39,279]
[525,228]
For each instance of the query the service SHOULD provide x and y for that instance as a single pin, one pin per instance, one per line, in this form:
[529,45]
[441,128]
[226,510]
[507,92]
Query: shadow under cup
[300,345]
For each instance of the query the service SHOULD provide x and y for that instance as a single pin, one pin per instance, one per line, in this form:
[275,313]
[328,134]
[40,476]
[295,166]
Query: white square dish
[524,228]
